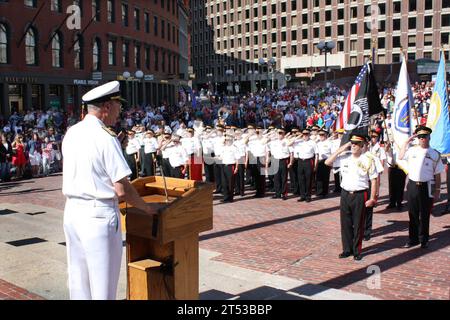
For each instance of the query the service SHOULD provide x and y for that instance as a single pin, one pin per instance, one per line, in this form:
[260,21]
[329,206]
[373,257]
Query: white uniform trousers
[94,248]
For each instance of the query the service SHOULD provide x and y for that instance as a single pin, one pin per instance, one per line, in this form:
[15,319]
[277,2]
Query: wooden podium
[162,250]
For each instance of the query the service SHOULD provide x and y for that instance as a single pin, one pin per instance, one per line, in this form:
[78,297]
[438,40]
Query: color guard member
[424,171]
[357,169]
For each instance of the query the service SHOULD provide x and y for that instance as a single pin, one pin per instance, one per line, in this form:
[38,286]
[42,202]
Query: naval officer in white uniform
[94,179]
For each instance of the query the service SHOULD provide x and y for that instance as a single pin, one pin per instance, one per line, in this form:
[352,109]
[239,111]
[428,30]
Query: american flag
[342,119]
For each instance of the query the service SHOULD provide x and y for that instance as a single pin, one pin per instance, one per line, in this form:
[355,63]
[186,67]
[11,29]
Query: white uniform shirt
[279,149]
[140,138]
[229,154]
[166,152]
[378,151]
[335,144]
[207,146]
[191,145]
[241,148]
[357,172]
[324,148]
[150,145]
[218,145]
[177,156]
[257,147]
[305,149]
[133,146]
[93,161]
[423,164]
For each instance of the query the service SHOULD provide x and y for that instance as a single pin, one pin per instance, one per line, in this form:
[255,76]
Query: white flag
[401,122]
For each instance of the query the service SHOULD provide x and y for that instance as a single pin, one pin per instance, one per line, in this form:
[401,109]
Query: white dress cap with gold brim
[106,92]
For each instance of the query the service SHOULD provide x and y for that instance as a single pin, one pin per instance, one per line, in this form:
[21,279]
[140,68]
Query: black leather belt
[355,192]
[418,183]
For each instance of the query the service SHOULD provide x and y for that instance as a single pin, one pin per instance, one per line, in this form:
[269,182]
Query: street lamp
[126,75]
[326,46]
[271,63]
[229,73]
[140,76]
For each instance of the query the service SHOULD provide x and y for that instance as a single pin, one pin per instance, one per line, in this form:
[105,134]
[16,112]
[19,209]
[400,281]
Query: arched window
[4,44]
[30,47]
[96,51]
[57,51]
[78,62]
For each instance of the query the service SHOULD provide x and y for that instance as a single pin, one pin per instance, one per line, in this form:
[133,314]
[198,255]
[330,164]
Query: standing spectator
[18,159]
[6,152]
[34,154]
[47,149]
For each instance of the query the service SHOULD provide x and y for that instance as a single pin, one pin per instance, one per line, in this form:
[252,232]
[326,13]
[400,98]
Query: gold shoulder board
[112,133]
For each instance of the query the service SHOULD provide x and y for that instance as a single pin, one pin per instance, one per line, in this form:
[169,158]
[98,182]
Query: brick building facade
[46,60]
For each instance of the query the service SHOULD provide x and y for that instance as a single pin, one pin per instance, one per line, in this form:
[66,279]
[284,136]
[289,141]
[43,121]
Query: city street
[259,249]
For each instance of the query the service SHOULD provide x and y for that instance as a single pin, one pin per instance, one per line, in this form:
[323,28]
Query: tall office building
[233,39]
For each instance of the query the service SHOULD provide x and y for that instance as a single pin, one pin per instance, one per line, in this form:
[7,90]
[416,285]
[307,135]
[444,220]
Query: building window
[124,14]
[163,62]
[156,66]
[163,24]
[428,40]
[137,19]
[147,58]
[111,53]
[30,3]
[96,10]
[411,23]
[55,5]
[155,25]
[30,48]
[96,55]
[147,22]
[126,55]
[78,62]
[57,51]
[137,56]
[110,8]
[4,44]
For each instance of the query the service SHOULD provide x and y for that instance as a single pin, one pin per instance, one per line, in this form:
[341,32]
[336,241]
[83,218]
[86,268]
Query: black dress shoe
[276,197]
[358,257]
[308,199]
[344,255]
[258,196]
[367,238]
[424,245]
[284,197]
[390,206]
[399,207]
[410,244]
[301,199]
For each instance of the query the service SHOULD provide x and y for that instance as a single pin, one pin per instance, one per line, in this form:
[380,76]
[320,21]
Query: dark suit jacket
[5,153]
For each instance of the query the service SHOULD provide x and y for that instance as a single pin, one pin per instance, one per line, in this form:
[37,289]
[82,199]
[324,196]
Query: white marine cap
[106,92]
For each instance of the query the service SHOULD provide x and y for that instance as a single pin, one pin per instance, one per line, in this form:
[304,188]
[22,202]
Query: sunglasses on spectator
[423,136]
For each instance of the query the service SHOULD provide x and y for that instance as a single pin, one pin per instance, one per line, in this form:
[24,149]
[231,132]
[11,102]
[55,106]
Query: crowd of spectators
[31,142]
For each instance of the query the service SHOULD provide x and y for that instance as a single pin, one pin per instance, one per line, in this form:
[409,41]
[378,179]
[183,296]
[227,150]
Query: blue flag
[438,114]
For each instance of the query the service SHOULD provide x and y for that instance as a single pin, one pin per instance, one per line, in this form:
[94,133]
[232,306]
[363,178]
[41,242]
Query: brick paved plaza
[299,241]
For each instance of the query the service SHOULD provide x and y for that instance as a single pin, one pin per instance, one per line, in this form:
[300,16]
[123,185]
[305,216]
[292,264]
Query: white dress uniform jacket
[324,148]
[93,162]
[357,172]
[423,163]
[305,149]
